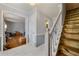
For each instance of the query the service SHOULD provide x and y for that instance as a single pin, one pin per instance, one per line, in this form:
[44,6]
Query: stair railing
[55,30]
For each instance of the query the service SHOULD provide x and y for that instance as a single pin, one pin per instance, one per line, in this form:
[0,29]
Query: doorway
[14,31]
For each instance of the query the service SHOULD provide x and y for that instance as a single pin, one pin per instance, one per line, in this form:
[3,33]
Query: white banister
[50,35]
[55,22]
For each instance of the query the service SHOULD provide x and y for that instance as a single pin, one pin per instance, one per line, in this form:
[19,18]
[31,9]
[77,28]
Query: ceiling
[49,9]
[13,17]
[20,6]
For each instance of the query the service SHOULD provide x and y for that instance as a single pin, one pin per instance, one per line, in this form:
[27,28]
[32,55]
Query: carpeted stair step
[72,31]
[72,19]
[75,26]
[71,36]
[69,39]
[64,51]
[71,43]
[73,11]
[71,16]
[71,48]
[69,52]
[72,22]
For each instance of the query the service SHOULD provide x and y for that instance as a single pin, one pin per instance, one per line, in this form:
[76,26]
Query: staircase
[69,42]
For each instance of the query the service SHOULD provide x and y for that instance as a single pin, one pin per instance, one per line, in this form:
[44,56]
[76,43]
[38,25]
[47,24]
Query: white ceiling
[13,18]
[19,6]
[49,9]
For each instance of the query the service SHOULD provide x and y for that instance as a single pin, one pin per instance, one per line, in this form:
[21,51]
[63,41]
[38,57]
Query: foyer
[31,21]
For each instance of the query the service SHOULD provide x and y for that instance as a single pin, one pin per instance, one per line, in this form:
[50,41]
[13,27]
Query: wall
[40,37]
[32,27]
[15,26]
[37,27]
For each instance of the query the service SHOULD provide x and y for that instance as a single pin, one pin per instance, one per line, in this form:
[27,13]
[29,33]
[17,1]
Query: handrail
[49,34]
[55,23]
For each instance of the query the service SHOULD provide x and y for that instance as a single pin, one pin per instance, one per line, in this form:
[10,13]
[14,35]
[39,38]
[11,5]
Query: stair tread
[70,30]
[66,52]
[77,29]
[67,15]
[72,19]
[71,16]
[71,48]
[71,36]
[74,44]
[76,10]
[72,22]
[71,27]
[70,51]
[70,39]
[76,26]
